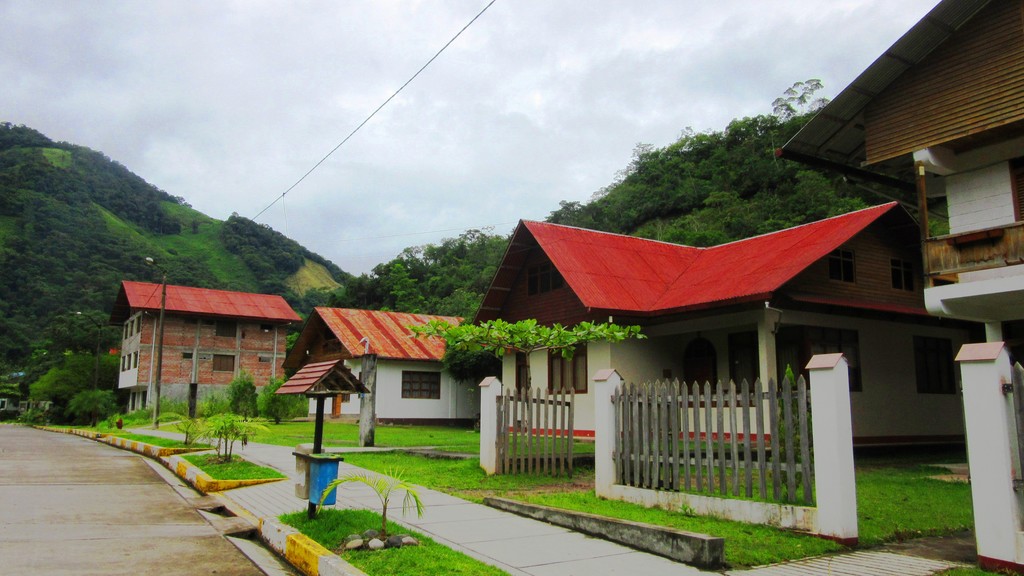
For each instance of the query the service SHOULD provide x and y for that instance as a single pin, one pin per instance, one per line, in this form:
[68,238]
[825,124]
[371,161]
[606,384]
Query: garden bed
[220,477]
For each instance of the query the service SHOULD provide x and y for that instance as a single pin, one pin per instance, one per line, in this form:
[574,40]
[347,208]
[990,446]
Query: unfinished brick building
[210,336]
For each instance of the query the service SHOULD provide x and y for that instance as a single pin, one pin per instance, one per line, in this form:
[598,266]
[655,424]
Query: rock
[351,537]
[354,544]
[370,534]
[409,541]
[394,542]
[375,544]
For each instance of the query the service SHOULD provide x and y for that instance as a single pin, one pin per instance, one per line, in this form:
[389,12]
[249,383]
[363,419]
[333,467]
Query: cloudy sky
[229,103]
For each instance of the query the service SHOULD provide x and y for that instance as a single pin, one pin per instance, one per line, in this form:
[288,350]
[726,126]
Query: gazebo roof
[323,379]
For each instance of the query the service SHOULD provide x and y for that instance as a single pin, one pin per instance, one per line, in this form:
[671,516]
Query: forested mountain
[74,223]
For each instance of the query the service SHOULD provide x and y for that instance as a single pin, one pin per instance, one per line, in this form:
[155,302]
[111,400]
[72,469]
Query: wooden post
[832,429]
[985,370]
[368,407]
[490,391]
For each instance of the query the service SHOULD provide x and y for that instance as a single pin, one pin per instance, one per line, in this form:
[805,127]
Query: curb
[302,552]
[202,481]
[139,447]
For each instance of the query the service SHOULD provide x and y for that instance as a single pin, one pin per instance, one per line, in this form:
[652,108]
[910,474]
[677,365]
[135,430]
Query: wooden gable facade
[972,83]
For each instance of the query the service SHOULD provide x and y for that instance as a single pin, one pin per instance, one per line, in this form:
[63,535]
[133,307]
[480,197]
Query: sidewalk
[521,546]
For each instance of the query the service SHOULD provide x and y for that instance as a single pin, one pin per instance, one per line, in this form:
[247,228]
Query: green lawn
[237,469]
[347,434]
[332,526]
[157,440]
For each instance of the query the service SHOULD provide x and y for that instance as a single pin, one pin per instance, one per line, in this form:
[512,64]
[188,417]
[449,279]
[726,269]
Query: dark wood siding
[971,83]
[560,305]
[873,252]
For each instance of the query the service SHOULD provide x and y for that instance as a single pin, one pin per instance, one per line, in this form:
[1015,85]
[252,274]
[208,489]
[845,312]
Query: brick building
[210,336]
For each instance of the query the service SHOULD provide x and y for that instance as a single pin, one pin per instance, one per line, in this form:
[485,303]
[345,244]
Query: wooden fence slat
[684,426]
[762,463]
[709,456]
[787,412]
[723,485]
[773,416]
[635,403]
[698,440]
[734,439]
[805,440]
[748,464]
[673,425]
[1017,380]
[571,428]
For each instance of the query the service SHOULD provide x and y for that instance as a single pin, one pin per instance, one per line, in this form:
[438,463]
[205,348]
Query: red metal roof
[388,332]
[634,275]
[135,296]
[314,373]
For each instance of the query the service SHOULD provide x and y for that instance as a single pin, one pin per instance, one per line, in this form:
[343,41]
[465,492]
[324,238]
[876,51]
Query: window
[700,362]
[264,358]
[266,327]
[138,323]
[832,340]
[543,278]
[227,328]
[743,360]
[127,327]
[566,374]
[223,363]
[521,372]
[3,403]
[840,265]
[902,275]
[933,362]
[421,385]
[135,359]
[186,355]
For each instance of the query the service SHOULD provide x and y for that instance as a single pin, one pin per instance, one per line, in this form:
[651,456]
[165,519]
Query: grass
[345,434]
[332,526]
[237,469]
[464,478]
[157,441]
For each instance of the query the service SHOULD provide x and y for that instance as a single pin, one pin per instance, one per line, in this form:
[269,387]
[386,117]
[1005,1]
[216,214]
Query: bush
[279,407]
[242,395]
[91,405]
[226,429]
[212,405]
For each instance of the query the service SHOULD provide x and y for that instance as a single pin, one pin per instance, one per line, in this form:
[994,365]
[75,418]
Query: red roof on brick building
[630,275]
[387,332]
[135,296]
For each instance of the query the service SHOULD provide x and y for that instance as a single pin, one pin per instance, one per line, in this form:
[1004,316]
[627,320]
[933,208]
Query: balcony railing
[947,256]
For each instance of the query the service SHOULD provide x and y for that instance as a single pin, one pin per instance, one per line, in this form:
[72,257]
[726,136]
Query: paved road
[71,506]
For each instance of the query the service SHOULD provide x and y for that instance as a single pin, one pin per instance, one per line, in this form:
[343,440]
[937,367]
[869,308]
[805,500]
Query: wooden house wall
[873,251]
[971,83]
[559,305]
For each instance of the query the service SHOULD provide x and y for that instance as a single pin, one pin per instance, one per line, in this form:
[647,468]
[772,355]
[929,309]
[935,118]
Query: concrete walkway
[521,546]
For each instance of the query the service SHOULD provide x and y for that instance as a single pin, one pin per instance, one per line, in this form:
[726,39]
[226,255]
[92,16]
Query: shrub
[212,405]
[278,407]
[242,395]
[226,429]
[91,405]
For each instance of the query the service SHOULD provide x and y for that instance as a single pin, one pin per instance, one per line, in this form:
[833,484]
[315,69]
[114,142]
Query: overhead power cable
[374,113]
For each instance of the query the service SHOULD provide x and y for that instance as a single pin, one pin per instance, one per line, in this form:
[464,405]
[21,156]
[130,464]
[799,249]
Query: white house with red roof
[210,336]
[747,310]
[412,385]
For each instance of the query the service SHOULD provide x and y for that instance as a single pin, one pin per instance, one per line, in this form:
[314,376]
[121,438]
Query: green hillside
[74,223]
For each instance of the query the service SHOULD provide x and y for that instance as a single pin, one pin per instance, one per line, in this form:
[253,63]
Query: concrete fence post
[490,389]
[984,369]
[832,428]
[606,382]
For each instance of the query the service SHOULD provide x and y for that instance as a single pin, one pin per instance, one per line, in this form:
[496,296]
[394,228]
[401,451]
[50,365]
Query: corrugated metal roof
[836,133]
[135,296]
[625,274]
[388,332]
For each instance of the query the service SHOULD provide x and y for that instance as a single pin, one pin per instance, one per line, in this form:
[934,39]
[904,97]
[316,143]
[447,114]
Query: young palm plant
[384,486]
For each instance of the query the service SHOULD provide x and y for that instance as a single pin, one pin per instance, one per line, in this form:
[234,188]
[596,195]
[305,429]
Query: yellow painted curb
[303,553]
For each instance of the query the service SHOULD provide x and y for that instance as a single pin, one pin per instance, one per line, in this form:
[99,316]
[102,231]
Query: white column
[994,331]
[490,389]
[767,324]
[988,419]
[834,480]
[605,383]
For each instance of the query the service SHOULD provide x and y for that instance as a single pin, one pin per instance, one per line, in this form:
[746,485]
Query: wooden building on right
[940,116]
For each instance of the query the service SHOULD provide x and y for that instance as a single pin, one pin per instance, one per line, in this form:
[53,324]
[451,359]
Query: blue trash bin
[322,471]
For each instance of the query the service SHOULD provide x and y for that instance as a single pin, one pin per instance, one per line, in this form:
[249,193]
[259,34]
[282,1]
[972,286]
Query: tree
[384,486]
[525,336]
[242,395]
[92,405]
[226,429]
[799,99]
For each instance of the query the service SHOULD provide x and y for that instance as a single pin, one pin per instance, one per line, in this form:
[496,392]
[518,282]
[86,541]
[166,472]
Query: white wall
[458,399]
[980,199]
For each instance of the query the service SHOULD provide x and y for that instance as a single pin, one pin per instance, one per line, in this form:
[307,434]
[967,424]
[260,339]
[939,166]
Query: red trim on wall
[996,564]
